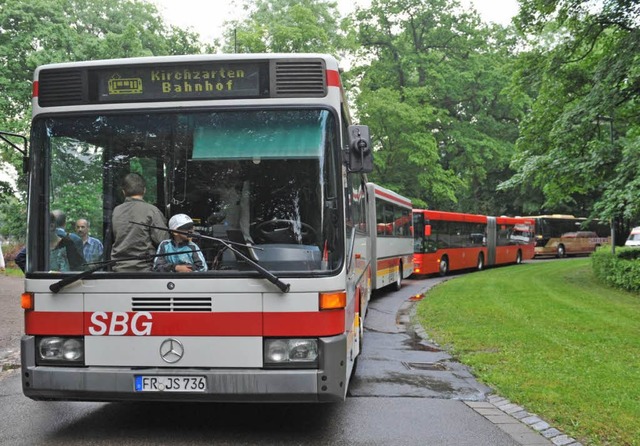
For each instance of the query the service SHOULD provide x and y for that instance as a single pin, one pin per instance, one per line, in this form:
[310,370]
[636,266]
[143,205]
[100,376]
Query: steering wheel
[282,231]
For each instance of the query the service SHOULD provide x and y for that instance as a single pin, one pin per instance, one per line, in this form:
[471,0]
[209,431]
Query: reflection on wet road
[397,362]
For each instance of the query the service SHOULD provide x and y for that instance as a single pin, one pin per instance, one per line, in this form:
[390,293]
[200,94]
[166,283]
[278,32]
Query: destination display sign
[184,81]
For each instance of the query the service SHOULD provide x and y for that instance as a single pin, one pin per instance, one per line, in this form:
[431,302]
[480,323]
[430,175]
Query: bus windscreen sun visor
[245,135]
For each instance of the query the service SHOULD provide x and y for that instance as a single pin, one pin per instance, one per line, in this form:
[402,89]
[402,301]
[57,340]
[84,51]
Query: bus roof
[331,61]
[188,80]
[559,216]
[390,195]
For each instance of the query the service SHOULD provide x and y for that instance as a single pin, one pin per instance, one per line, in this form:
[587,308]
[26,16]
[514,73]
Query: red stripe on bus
[324,323]
[333,78]
[393,198]
[388,263]
[190,324]
[452,216]
[53,323]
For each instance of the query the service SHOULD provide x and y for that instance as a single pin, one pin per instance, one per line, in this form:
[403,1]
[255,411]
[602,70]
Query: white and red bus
[279,319]
[392,237]
[451,241]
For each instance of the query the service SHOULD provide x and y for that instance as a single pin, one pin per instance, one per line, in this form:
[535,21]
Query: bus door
[491,241]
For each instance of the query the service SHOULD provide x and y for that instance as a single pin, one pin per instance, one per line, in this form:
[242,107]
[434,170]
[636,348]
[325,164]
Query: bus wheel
[561,252]
[480,265]
[519,257]
[444,266]
[398,285]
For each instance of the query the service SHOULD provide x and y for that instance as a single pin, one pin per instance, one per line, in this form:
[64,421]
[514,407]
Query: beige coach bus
[562,235]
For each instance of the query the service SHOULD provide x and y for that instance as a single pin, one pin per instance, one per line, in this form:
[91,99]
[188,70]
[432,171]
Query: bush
[621,270]
[10,250]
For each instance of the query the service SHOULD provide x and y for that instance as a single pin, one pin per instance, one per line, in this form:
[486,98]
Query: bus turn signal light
[333,301]
[26,301]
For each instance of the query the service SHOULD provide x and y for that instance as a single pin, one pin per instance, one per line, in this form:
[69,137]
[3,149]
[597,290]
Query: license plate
[170,383]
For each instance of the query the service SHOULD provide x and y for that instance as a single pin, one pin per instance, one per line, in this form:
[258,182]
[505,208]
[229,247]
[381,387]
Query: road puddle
[415,342]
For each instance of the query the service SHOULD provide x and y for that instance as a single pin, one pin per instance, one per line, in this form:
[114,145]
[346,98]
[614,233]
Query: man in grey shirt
[134,240]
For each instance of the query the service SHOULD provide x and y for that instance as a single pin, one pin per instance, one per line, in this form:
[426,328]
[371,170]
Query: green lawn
[550,338]
[14,272]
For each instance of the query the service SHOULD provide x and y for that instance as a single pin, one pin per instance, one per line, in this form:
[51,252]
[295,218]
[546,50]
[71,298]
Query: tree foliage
[464,116]
[46,31]
[435,94]
[285,26]
[580,142]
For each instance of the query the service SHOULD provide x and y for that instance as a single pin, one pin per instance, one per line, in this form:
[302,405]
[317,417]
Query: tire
[480,264]
[561,252]
[397,286]
[444,266]
[519,257]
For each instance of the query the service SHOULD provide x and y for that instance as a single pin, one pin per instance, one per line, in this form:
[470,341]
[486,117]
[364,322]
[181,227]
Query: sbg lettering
[118,323]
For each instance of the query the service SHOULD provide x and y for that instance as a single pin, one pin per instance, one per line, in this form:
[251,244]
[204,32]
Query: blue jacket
[178,254]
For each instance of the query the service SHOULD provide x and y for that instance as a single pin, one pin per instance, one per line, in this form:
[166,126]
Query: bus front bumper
[327,383]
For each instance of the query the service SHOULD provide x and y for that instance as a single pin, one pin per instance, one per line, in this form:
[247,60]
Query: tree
[46,31]
[580,142]
[285,26]
[434,94]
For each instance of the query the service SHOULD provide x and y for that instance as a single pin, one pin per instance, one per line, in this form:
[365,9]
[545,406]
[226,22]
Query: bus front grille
[62,87]
[300,78]
[171,304]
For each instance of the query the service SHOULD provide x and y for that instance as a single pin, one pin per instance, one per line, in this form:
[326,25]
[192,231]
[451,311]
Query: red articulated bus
[451,241]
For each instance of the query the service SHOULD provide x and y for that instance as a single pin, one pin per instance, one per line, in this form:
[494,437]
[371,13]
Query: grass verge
[13,272]
[549,337]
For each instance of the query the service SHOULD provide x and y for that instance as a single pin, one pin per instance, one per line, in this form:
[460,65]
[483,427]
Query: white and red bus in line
[392,237]
[451,241]
[279,319]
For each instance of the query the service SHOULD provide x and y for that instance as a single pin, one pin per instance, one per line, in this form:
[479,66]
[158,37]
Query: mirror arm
[23,151]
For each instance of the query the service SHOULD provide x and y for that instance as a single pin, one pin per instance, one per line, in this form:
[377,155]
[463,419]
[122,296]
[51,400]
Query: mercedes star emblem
[171,350]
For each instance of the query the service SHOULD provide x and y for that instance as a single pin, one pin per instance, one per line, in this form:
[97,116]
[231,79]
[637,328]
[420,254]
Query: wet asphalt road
[397,362]
[405,392]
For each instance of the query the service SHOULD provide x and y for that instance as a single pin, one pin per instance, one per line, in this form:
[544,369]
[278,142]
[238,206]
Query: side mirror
[427,230]
[359,153]
[4,136]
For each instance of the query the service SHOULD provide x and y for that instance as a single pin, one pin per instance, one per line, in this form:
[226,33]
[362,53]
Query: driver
[234,203]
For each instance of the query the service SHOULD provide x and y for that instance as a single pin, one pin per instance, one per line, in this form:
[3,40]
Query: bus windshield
[264,177]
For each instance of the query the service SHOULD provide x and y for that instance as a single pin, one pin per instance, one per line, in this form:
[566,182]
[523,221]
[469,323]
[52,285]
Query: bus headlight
[293,353]
[60,350]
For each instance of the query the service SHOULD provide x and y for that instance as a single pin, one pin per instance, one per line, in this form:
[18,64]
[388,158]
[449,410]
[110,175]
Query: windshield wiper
[284,287]
[55,287]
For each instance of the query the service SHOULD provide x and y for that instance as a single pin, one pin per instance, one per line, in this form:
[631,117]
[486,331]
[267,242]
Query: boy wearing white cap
[179,254]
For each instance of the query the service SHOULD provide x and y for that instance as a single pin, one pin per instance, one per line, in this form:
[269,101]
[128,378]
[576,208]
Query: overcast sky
[207,16]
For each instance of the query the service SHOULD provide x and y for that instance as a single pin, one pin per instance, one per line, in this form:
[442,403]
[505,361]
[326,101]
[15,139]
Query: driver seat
[236,236]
